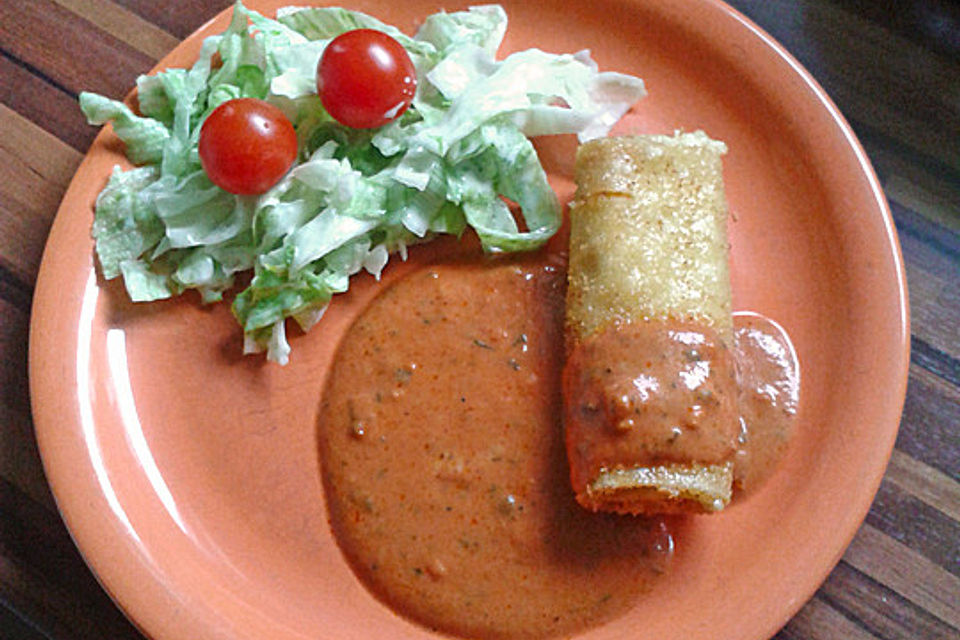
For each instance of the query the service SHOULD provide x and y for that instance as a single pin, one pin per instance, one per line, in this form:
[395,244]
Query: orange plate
[188,475]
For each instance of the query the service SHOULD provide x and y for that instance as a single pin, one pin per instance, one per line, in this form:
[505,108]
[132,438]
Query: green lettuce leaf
[455,160]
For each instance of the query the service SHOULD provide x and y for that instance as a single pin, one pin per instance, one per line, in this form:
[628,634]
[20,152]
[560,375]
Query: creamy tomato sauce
[656,392]
[649,393]
[442,451]
[769,392]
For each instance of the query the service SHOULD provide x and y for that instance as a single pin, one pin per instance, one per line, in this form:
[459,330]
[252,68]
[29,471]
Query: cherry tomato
[247,145]
[365,78]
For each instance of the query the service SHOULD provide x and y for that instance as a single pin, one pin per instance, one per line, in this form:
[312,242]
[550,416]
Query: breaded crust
[648,236]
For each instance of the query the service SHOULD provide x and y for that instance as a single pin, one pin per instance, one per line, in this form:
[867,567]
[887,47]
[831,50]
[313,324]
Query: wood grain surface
[893,68]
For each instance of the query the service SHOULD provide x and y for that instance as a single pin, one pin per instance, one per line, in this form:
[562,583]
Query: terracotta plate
[188,475]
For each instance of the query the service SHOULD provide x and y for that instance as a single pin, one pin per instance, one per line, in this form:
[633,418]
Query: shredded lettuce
[354,197]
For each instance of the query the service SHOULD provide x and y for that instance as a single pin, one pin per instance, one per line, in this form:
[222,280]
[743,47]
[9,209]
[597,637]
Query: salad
[353,195]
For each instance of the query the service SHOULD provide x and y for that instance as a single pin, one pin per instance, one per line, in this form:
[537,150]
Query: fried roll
[650,392]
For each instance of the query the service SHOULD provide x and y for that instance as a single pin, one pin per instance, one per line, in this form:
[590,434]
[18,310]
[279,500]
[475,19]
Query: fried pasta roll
[650,395]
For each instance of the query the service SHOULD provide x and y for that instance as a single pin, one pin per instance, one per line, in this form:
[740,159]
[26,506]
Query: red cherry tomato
[365,78]
[246,145]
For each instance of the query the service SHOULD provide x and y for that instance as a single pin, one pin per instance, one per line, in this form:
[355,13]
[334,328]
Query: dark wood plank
[934,289]
[123,25]
[35,169]
[819,621]
[13,290]
[179,18]
[928,430]
[67,50]
[932,24]
[919,526]
[913,577]
[925,483]
[14,626]
[45,104]
[914,181]
[895,85]
[19,459]
[880,610]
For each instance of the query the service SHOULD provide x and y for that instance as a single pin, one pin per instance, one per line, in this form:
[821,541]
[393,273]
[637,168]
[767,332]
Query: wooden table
[893,69]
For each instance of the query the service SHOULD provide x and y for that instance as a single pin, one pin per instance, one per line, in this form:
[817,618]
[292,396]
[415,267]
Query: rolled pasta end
[671,488]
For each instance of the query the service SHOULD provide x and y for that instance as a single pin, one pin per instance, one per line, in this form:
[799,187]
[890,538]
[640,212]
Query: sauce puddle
[443,459]
[768,375]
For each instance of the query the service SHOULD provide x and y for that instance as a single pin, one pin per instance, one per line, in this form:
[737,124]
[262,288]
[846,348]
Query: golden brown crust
[648,234]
